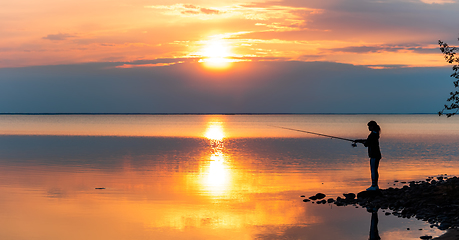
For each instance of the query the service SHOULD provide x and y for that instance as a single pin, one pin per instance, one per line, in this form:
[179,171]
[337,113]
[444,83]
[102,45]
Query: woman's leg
[374,164]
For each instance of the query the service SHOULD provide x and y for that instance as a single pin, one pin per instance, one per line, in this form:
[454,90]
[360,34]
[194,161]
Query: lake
[209,176]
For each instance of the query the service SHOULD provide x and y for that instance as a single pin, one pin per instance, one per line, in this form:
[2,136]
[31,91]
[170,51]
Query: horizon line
[84,113]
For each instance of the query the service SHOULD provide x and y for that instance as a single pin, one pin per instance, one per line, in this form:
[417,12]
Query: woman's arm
[371,140]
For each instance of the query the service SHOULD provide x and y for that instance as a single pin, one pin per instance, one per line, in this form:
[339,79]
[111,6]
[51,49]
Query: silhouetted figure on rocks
[372,143]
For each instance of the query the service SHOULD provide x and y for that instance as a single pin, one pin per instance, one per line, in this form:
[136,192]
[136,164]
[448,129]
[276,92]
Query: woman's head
[373,126]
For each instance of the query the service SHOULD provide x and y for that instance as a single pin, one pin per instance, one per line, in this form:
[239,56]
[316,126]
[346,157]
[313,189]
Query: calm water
[208,177]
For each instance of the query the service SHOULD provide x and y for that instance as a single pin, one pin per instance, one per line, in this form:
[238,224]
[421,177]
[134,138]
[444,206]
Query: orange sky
[398,32]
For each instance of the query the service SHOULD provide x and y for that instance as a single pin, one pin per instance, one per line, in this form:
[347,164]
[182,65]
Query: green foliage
[451,57]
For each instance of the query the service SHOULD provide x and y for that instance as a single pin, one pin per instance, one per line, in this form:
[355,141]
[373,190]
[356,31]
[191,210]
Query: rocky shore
[435,200]
[451,234]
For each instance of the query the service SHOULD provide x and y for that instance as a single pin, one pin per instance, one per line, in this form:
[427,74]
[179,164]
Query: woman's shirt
[372,143]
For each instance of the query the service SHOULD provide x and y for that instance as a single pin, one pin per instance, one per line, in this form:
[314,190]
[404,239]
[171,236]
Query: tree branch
[451,57]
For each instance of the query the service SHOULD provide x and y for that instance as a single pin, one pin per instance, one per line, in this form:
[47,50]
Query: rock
[100,188]
[349,196]
[306,200]
[369,194]
[444,225]
[320,195]
[302,196]
[433,201]
[426,237]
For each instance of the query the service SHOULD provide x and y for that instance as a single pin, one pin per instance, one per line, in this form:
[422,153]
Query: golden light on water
[217,174]
[215,132]
[222,186]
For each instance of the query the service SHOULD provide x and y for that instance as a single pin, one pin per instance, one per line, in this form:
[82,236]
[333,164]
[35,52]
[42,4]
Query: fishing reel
[354,144]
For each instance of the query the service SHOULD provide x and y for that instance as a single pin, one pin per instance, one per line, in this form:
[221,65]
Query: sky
[287,56]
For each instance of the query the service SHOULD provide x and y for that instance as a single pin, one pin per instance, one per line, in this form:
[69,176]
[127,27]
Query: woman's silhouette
[374,233]
[372,143]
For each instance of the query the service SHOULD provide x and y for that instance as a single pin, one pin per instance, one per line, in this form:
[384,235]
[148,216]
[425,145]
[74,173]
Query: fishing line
[354,143]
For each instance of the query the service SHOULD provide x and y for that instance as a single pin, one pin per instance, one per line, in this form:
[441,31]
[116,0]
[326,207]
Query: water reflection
[217,173]
[374,233]
[223,177]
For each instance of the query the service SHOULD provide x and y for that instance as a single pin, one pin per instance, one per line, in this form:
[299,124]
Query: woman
[372,143]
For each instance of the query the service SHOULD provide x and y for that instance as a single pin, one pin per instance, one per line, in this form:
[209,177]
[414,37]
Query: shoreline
[435,200]
[451,234]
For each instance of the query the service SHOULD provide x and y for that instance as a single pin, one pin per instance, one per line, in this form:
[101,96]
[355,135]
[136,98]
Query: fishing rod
[354,142]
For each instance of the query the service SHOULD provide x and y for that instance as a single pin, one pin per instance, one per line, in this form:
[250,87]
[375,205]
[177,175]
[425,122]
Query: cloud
[289,29]
[209,11]
[190,12]
[190,6]
[185,9]
[282,15]
[148,65]
[161,62]
[383,48]
[386,66]
[108,44]
[362,49]
[58,37]
[391,22]
[438,1]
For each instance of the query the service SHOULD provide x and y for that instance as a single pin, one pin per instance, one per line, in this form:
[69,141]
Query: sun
[216,54]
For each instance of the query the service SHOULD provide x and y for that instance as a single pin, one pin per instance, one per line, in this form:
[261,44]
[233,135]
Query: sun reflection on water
[217,175]
[215,132]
